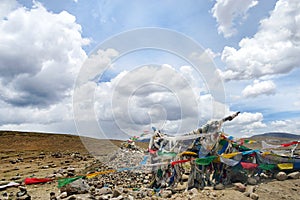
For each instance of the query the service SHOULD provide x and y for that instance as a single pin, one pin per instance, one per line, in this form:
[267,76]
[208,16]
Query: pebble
[17,177]
[116,192]
[250,189]
[194,191]
[219,186]
[62,195]
[254,196]
[239,187]
[104,190]
[247,194]
[52,196]
[166,194]
[251,181]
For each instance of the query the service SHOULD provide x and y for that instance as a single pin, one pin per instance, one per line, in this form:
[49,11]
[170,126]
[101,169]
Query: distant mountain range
[277,135]
[282,135]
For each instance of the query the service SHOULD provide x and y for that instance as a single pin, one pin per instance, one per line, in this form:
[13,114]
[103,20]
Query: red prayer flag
[246,165]
[29,181]
[179,161]
[289,144]
[151,151]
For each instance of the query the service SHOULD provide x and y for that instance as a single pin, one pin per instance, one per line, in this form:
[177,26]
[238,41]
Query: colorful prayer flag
[65,181]
[205,161]
[29,181]
[285,166]
[247,165]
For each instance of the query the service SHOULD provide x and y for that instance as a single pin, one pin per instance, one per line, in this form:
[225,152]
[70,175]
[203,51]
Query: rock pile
[134,183]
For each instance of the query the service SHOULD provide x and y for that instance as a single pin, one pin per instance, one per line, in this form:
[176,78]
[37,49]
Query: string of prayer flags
[272,146]
[65,181]
[289,144]
[205,161]
[247,141]
[28,181]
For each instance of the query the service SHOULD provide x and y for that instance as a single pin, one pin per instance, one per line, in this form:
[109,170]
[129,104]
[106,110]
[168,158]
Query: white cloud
[274,49]
[147,96]
[280,123]
[41,53]
[296,103]
[227,12]
[211,54]
[6,6]
[259,88]
[246,123]
[288,126]
[40,56]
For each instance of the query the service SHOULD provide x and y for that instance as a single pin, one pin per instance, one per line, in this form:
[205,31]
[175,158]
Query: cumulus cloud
[6,6]
[227,12]
[259,88]
[41,53]
[274,49]
[40,56]
[288,126]
[246,124]
[161,96]
[145,96]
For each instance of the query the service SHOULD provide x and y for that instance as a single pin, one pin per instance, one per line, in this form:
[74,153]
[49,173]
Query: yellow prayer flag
[92,175]
[188,153]
[230,155]
[266,153]
[285,166]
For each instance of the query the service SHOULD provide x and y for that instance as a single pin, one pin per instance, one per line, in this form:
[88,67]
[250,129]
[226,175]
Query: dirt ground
[40,155]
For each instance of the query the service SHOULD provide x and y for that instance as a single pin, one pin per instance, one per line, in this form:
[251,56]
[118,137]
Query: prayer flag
[205,161]
[246,165]
[66,181]
[29,181]
[285,166]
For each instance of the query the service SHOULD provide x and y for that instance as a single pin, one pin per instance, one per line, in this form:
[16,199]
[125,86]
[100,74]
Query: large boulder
[77,187]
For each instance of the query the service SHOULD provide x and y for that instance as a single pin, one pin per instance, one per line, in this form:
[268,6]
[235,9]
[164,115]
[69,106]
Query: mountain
[281,135]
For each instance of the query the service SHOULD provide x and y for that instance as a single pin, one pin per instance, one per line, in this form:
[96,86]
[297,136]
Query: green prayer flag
[205,161]
[267,166]
[159,173]
[223,142]
[66,181]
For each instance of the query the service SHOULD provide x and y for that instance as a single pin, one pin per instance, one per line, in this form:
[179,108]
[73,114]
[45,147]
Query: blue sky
[253,46]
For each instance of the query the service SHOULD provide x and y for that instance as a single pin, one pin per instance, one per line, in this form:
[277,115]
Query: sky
[116,68]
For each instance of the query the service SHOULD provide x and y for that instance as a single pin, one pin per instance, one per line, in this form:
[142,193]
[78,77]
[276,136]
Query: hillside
[280,135]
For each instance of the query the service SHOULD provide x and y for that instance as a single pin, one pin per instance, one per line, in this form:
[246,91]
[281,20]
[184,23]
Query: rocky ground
[59,156]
